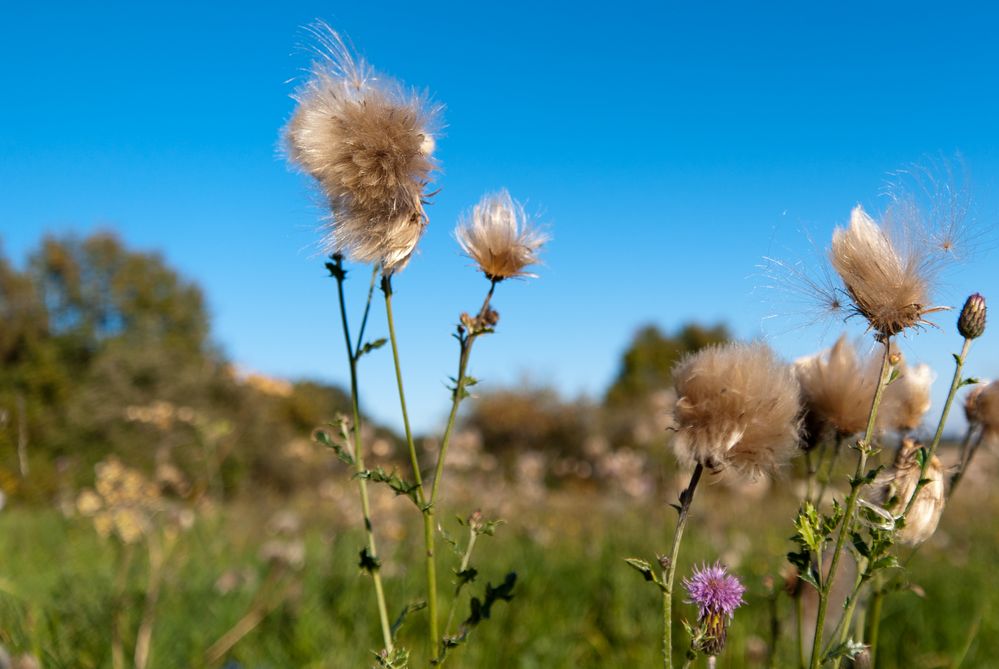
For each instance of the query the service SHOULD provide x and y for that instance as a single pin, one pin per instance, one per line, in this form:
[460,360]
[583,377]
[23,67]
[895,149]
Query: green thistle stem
[433,629]
[352,356]
[955,383]
[669,569]
[874,616]
[864,448]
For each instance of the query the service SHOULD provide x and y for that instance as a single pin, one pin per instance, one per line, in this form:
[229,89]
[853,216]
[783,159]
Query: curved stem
[362,484]
[954,385]
[669,569]
[864,448]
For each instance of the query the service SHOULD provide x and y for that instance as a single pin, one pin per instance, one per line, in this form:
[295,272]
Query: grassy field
[577,604]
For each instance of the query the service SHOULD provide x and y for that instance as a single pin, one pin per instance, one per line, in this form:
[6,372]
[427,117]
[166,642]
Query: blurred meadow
[193,475]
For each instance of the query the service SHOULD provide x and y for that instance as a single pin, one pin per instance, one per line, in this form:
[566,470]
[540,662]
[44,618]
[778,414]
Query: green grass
[577,604]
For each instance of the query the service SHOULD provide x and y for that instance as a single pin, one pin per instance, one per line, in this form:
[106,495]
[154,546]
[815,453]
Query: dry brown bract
[889,285]
[499,237]
[368,143]
[738,407]
[838,387]
[894,487]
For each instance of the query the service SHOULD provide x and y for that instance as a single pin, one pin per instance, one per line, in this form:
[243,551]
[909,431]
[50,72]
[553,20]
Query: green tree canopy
[647,364]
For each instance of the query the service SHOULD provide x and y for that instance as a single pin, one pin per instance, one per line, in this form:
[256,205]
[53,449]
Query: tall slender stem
[669,569]
[433,629]
[954,385]
[352,355]
[864,448]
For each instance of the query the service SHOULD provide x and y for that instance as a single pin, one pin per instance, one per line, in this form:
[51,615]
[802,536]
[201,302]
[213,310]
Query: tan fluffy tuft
[907,398]
[986,409]
[499,237]
[368,142]
[894,487]
[838,387]
[888,284]
[738,406]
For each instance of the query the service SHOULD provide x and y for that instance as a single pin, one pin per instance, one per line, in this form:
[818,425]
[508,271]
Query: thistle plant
[368,142]
[887,272]
[737,409]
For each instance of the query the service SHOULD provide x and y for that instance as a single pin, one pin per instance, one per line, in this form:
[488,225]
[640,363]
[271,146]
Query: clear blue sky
[670,148]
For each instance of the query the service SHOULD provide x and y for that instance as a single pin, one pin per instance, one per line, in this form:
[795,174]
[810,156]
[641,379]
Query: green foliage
[105,349]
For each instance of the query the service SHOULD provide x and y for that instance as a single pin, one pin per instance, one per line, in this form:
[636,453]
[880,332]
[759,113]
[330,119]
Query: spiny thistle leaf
[371,346]
[342,453]
[392,480]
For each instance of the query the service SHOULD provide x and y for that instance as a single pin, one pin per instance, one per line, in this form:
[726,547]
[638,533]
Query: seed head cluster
[369,144]
[738,406]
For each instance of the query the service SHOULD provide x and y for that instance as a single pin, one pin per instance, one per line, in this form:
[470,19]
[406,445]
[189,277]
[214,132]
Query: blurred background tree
[104,349]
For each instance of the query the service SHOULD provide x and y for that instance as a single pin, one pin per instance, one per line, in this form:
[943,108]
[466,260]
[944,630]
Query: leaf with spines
[643,568]
[392,480]
[329,442]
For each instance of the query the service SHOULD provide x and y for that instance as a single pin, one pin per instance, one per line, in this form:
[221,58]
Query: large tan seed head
[368,142]
[887,282]
[838,387]
[738,406]
[499,237]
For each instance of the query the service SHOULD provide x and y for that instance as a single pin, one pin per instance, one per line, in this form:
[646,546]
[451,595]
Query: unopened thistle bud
[971,323]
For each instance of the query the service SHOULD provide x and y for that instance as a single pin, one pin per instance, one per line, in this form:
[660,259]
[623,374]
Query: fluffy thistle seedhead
[907,398]
[738,406]
[986,408]
[971,402]
[971,322]
[717,594]
[837,387]
[499,237]
[369,143]
[894,487]
[888,283]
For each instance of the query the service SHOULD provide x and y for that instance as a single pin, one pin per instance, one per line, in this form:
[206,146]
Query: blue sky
[668,147]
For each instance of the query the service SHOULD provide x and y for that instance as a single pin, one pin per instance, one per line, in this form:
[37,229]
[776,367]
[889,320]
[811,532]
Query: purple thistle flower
[714,591]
